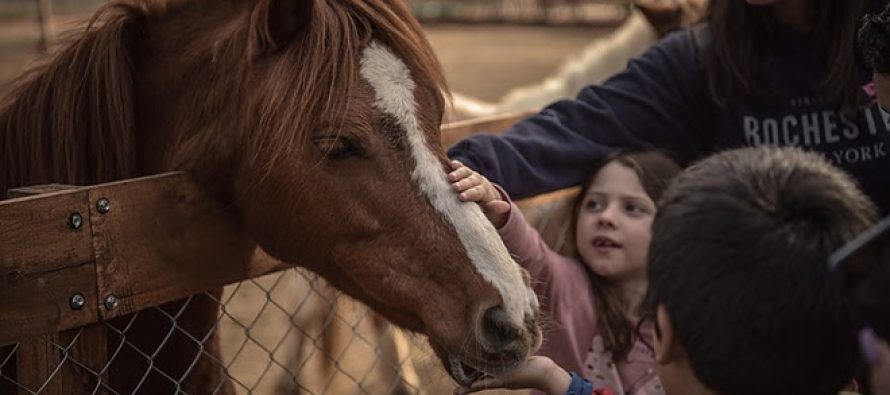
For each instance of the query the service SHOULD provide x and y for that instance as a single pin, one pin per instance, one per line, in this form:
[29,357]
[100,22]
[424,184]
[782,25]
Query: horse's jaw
[465,372]
[462,373]
[460,368]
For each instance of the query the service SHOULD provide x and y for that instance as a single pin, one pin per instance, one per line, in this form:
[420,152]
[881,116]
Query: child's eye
[592,205]
[635,209]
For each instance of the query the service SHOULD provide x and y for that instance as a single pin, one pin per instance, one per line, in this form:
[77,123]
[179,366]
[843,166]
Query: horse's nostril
[497,329]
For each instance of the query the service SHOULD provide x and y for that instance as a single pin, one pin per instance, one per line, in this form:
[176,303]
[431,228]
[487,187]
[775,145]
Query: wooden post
[44,20]
[67,362]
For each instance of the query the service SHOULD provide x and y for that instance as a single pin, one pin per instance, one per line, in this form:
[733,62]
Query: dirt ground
[271,327]
[487,61]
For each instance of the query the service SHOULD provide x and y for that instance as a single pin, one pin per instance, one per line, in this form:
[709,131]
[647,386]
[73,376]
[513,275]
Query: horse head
[317,124]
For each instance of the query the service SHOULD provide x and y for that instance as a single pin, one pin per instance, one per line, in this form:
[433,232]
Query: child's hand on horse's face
[473,187]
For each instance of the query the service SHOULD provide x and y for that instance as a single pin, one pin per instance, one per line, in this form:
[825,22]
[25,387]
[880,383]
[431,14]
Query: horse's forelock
[318,73]
[408,41]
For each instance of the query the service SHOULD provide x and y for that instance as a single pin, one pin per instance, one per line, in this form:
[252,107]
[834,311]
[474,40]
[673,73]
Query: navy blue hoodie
[662,100]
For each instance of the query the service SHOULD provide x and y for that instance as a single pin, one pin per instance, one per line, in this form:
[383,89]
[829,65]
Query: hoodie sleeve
[660,100]
[549,270]
[527,247]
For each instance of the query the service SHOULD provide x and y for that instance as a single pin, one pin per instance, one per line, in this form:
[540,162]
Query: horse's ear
[277,22]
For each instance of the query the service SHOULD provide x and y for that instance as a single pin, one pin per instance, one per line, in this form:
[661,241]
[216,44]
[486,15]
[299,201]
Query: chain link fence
[283,333]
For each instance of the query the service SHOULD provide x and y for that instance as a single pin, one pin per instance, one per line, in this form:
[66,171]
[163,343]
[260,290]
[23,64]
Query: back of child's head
[739,259]
[873,39]
[655,171]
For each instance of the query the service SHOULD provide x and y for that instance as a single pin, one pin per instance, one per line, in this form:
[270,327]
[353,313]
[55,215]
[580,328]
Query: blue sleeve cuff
[460,152]
[579,385]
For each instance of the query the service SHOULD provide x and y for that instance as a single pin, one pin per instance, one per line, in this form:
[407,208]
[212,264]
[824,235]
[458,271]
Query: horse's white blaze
[394,90]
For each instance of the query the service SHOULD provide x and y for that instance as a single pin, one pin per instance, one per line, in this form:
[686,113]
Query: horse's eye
[337,147]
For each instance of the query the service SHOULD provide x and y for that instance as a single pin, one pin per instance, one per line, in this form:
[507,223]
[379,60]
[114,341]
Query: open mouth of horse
[465,372]
[462,373]
[465,368]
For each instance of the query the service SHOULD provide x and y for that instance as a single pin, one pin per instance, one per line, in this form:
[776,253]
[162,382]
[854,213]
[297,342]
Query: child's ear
[667,348]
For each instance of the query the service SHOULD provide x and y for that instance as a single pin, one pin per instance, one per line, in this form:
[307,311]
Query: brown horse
[317,123]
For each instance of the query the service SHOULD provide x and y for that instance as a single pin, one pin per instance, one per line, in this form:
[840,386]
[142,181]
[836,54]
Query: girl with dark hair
[756,72]
[593,297]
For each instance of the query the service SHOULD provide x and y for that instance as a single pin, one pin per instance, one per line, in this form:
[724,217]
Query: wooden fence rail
[67,262]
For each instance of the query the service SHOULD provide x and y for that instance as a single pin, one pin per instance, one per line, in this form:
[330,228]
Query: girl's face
[615,224]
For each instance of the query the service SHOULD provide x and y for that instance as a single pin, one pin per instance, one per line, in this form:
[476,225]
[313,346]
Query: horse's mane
[340,29]
[69,120]
[73,119]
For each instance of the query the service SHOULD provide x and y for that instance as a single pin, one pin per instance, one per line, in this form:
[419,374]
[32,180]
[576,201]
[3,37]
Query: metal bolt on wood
[77,301]
[75,221]
[111,302]
[103,205]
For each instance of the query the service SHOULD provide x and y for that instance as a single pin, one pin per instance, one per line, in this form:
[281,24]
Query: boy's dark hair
[738,258]
[742,38]
[873,40]
[655,170]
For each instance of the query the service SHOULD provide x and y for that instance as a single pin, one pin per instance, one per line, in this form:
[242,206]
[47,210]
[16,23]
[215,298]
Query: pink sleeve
[563,289]
[525,244]
[531,252]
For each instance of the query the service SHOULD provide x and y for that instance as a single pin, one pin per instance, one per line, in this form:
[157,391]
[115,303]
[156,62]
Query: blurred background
[485,46]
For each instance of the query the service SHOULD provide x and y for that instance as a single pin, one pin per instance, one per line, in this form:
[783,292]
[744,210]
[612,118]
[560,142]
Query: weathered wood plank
[454,132]
[162,239]
[32,190]
[35,234]
[40,303]
[68,362]
[39,284]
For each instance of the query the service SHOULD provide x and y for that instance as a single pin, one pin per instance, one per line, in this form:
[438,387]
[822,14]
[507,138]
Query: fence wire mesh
[284,333]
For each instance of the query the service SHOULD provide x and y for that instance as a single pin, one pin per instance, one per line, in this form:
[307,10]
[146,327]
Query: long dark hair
[655,171]
[741,37]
